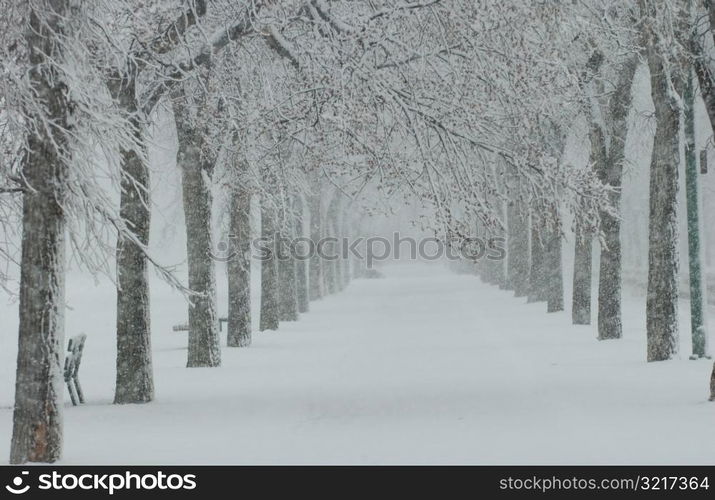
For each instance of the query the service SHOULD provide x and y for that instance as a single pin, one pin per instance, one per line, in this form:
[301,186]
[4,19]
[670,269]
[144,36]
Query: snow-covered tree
[666,75]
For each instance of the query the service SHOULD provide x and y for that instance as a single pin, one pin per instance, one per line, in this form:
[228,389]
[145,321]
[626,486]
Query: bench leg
[73,396]
[78,387]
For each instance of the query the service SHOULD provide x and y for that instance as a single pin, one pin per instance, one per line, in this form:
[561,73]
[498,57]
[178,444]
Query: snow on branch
[172,36]
[323,10]
[403,7]
[277,42]
[177,72]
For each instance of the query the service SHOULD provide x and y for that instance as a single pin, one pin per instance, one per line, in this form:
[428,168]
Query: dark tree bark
[338,266]
[611,173]
[537,274]
[315,268]
[37,417]
[481,266]
[498,266]
[287,280]
[703,72]
[135,379]
[494,270]
[581,299]
[610,280]
[287,290]
[196,173]
[582,274]
[662,301]
[301,264]
[554,273]
[328,262]
[345,264]
[269,271]
[344,256]
[517,249]
[490,267]
[239,271]
[358,263]
[339,279]
[336,227]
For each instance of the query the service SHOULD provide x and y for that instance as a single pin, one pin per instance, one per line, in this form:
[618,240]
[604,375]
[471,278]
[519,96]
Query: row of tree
[309,105]
[534,264]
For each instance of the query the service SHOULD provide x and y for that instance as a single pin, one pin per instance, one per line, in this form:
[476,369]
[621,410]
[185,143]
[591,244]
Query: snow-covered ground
[424,366]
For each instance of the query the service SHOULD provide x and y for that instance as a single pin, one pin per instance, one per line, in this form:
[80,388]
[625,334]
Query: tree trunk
[204,344]
[328,263]
[518,249]
[330,283]
[498,272]
[489,266]
[706,79]
[337,234]
[554,273]
[495,267]
[287,280]
[344,256]
[481,266]
[269,271]
[345,263]
[611,173]
[581,298]
[662,302]
[239,271]
[610,275]
[537,276]
[287,290]
[357,262]
[316,269]
[581,305]
[301,264]
[134,379]
[37,417]
[37,431]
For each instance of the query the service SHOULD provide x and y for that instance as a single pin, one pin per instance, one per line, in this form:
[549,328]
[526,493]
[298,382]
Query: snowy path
[421,367]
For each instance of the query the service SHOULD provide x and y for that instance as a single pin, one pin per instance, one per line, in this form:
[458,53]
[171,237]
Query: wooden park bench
[72,361]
